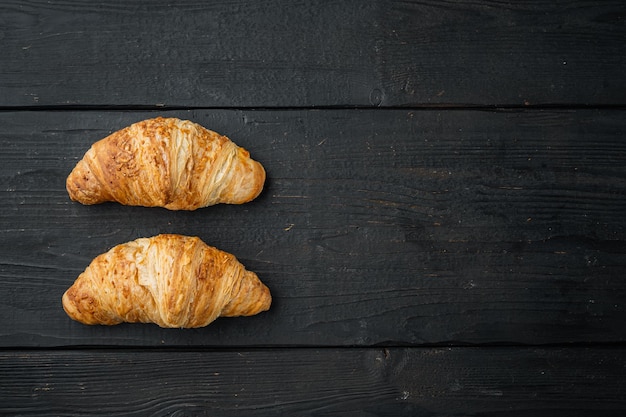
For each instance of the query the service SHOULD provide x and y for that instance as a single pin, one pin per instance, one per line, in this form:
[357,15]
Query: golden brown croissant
[166,162]
[170,280]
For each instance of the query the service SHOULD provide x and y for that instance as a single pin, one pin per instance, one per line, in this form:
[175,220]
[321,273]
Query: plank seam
[429,107]
[578,345]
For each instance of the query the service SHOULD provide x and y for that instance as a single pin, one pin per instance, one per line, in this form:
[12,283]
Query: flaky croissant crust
[166,162]
[170,280]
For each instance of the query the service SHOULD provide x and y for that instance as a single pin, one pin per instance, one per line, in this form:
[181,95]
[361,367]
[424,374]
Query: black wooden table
[443,227]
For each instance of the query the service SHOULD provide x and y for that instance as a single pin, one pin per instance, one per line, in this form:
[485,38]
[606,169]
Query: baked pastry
[166,162]
[170,280]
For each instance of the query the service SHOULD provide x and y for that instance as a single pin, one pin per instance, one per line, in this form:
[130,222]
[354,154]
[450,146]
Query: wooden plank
[308,382]
[375,227]
[368,53]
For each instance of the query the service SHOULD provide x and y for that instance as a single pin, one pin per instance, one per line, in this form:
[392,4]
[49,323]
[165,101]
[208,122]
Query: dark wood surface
[317,53]
[442,227]
[319,382]
[400,226]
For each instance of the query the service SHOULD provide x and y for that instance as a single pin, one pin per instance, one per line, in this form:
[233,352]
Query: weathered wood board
[442,227]
[317,53]
[402,227]
[312,382]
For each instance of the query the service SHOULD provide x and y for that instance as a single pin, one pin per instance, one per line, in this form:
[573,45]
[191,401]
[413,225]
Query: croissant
[166,162]
[170,280]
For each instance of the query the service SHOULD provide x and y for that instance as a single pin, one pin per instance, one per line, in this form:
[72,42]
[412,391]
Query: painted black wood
[312,382]
[315,53]
[378,228]
[375,227]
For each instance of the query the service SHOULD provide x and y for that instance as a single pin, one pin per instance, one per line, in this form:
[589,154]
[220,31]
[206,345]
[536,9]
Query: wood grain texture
[375,227]
[442,227]
[314,382]
[244,53]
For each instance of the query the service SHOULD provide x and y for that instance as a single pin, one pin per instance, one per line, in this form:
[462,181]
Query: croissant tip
[257,181]
[70,307]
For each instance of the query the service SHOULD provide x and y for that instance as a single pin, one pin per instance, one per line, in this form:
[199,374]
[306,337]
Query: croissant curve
[171,280]
[166,162]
